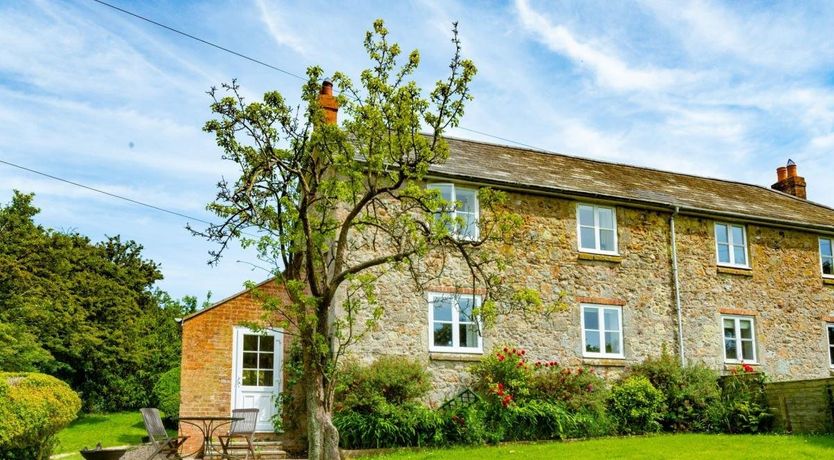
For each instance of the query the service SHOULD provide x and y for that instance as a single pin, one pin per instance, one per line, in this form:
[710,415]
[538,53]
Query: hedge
[33,407]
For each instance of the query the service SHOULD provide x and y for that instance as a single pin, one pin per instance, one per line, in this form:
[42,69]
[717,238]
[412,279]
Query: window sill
[614,258]
[730,365]
[738,271]
[828,281]
[604,362]
[455,356]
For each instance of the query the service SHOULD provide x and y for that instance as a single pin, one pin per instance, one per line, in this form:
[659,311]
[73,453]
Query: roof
[221,302]
[542,171]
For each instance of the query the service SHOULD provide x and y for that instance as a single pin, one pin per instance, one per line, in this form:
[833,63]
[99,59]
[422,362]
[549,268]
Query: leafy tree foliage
[84,312]
[337,206]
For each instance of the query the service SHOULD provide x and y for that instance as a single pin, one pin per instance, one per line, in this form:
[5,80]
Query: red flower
[747,368]
[500,386]
[500,357]
[513,350]
[506,350]
[522,352]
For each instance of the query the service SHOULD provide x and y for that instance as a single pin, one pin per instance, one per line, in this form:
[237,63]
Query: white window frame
[737,319]
[819,246]
[731,243]
[597,242]
[431,297]
[454,212]
[828,328]
[601,320]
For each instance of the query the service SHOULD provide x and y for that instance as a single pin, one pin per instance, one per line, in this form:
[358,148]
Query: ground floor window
[830,330]
[602,331]
[739,339]
[452,325]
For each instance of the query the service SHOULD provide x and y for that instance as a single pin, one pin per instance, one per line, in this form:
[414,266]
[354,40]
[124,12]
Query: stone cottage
[716,271]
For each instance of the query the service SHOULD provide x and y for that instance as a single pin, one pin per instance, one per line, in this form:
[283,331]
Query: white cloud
[278,28]
[609,70]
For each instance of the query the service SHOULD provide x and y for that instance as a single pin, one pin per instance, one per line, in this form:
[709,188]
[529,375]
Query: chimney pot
[781,173]
[326,88]
[328,103]
[791,169]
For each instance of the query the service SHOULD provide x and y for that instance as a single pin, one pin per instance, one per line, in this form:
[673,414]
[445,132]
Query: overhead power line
[205,42]
[104,192]
[276,68]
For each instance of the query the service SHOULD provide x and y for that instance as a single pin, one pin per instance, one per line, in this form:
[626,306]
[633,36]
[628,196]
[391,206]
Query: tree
[84,312]
[336,206]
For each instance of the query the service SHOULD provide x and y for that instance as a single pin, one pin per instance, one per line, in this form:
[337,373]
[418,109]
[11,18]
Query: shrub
[466,426]
[577,389]
[503,376]
[636,405]
[33,407]
[389,379]
[690,392]
[389,425]
[378,405]
[743,407]
[166,392]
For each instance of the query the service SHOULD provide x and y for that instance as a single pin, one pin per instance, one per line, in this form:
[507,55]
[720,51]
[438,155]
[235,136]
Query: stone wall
[207,338]
[802,406]
[784,292]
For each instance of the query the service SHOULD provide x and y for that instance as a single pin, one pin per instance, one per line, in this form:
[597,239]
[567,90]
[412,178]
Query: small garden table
[207,425]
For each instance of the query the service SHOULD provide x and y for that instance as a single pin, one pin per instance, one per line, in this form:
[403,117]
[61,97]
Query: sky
[722,89]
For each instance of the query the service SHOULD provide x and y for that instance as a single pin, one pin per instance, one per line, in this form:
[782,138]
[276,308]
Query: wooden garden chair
[163,444]
[241,429]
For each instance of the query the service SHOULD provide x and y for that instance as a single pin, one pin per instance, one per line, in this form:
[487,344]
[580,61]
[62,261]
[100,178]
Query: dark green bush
[378,405]
[389,379]
[744,407]
[690,392]
[166,392]
[389,425]
[33,407]
[577,389]
[636,405]
[466,426]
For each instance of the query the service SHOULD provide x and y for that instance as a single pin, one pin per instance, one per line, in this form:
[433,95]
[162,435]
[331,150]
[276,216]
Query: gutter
[677,285]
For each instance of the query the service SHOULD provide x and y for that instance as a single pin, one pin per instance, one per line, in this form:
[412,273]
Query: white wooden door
[256,372]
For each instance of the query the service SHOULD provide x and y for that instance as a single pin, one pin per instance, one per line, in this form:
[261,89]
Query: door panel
[257,373]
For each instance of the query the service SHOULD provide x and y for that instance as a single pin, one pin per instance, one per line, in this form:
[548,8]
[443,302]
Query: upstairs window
[731,245]
[452,325]
[827,257]
[462,207]
[602,331]
[739,339]
[597,228]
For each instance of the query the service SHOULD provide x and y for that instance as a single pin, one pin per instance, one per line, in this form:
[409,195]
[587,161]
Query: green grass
[115,429]
[685,446]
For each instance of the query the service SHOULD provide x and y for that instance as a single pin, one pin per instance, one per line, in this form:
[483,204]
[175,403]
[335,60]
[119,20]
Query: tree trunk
[322,435]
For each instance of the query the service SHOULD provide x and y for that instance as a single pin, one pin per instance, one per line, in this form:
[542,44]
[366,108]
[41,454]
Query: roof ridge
[541,151]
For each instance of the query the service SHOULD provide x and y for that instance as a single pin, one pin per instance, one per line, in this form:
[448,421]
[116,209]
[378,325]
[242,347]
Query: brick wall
[802,406]
[207,358]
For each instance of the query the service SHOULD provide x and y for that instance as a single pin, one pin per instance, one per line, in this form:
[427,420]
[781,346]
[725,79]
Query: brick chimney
[328,103]
[789,182]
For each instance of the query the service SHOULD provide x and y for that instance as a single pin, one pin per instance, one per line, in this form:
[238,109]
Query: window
[739,339]
[602,331]
[462,208]
[452,326]
[830,330]
[597,228]
[731,244]
[258,360]
[826,257]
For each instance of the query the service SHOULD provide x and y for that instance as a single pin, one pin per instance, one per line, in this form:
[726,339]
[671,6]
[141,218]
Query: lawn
[116,429]
[687,446]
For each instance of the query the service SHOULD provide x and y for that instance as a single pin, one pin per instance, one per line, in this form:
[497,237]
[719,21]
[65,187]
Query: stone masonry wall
[784,291]
[802,406]
[207,338]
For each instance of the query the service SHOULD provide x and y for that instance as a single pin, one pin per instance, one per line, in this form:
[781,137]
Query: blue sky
[729,90]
